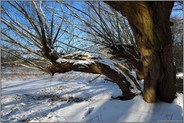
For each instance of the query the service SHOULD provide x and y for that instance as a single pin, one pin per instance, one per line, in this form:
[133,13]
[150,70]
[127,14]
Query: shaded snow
[51,99]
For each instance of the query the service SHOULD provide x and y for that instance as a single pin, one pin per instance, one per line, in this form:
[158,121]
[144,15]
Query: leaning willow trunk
[151,27]
[116,72]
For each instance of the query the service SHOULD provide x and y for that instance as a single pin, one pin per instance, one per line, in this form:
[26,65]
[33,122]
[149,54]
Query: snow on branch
[97,65]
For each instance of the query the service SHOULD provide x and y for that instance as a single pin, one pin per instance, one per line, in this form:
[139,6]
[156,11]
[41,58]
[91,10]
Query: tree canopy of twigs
[66,28]
[28,27]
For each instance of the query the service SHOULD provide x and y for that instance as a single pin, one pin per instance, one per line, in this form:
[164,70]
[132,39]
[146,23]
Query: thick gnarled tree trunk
[151,27]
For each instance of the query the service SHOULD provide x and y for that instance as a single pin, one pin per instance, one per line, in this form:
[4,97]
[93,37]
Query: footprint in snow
[88,110]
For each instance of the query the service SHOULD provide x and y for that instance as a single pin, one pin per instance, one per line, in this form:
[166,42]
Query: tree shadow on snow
[104,109]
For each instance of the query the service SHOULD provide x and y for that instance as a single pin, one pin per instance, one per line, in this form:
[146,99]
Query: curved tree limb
[114,71]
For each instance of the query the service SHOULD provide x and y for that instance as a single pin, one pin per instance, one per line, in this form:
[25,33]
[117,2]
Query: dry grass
[9,73]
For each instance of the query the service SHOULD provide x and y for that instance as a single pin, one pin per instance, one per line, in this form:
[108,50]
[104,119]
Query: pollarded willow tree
[40,36]
[36,31]
[150,22]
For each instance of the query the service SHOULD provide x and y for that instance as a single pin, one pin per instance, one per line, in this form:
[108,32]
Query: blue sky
[177,13]
[80,5]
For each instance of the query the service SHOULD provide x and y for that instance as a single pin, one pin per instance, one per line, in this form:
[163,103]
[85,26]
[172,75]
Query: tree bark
[151,27]
[131,55]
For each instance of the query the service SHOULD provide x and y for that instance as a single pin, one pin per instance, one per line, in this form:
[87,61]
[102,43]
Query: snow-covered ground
[78,97]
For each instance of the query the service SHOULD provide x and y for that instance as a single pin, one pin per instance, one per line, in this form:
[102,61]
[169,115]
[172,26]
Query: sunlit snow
[78,97]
